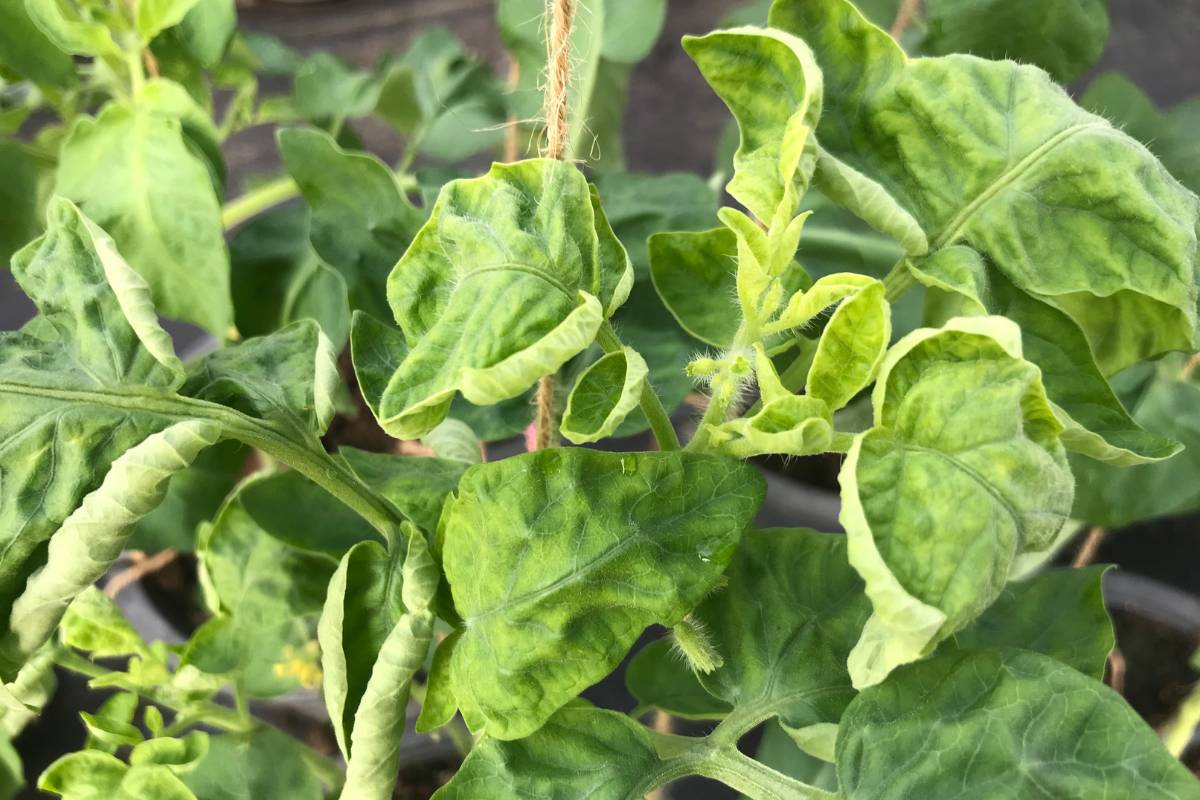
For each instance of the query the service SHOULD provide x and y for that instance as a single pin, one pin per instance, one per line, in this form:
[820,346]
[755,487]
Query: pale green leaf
[771,83]
[94,534]
[192,497]
[327,88]
[92,775]
[1095,423]
[375,632]
[111,727]
[604,395]
[785,624]
[870,202]
[1059,612]
[438,706]
[527,234]
[962,471]
[786,424]
[267,596]
[851,346]
[446,101]
[80,27]
[154,16]
[94,624]
[131,172]
[180,755]
[26,51]
[1065,37]
[556,578]
[454,440]
[361,221]
[265,764]
[1007,725]
[994,155]
[694,274]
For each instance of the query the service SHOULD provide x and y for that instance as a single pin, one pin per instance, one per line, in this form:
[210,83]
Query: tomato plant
[927,653]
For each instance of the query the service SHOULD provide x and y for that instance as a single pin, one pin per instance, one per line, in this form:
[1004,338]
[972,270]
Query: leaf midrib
[1009,176]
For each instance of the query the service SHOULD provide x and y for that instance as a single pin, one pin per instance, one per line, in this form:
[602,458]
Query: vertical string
[561,14]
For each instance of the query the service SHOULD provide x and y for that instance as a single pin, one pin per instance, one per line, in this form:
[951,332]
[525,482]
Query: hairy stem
[207,712]
[652,405]
[257,200]
[904,16]
[898,280]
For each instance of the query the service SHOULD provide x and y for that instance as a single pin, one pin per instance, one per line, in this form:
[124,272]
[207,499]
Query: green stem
[755,780]
[259,199]
[210,713]
[137,77]
[652,406]
[898,281]
[724,390]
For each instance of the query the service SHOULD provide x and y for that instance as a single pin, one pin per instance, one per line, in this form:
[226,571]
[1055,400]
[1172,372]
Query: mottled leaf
[962,471]
[1004,725]
[559,594]
[603,396]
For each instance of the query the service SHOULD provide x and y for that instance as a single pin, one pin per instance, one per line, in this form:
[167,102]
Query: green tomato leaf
[454,440]
[326,88]
[556,578]
[870,202]
[19,214]
[851,346]
[207,29]
[962,472]
[375,632]
[361,221]
[604,395]
[94,624]
[1095,423]
[1115,496]
[785,624]
[154,16]
[416,486]
[1045,196]
[193,496]
[262,765]
[1168,134]
[1059,612]
[27,52]
[278,278]
[581,751]
[529,232]
[266,595]
[92,775]
[81,27]
[639,206]
[694,274]
[1063,38]
[659,677]
[133,174]
[440,96]
[771,83]
[1005,725]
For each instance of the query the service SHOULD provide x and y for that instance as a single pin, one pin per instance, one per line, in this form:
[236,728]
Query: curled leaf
[604,395]
[962,471]
[510,278]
